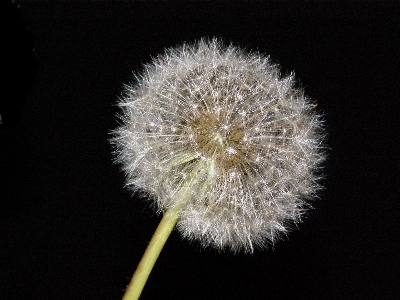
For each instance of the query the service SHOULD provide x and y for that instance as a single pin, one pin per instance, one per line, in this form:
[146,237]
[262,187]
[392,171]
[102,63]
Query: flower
[218,132]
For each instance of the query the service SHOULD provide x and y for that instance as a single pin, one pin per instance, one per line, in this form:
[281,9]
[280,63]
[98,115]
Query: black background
[69,230]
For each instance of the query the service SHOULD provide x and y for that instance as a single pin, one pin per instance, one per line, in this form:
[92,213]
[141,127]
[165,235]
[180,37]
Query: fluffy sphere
[218,132]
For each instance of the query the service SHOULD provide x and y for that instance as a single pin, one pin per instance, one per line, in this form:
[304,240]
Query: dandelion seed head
[219,132]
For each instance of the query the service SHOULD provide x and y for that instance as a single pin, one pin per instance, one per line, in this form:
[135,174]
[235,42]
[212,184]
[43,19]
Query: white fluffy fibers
[218,132]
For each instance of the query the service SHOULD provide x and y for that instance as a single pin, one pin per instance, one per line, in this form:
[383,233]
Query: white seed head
[219,132]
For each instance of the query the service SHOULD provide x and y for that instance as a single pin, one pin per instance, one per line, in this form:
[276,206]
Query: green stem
[151,254]
[162,233]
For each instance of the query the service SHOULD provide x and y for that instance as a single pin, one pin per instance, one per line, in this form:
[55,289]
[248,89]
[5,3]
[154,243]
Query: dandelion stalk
[151,254]
[159,238]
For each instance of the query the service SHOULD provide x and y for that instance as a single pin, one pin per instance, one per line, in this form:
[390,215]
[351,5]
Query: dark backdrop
[69,230]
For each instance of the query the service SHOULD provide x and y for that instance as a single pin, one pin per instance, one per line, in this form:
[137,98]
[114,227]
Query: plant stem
[161,235]
[151,254]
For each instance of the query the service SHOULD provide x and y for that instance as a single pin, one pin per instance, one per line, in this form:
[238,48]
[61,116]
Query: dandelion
[226,148]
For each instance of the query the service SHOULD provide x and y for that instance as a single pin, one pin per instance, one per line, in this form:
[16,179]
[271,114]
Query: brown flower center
[216,138]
